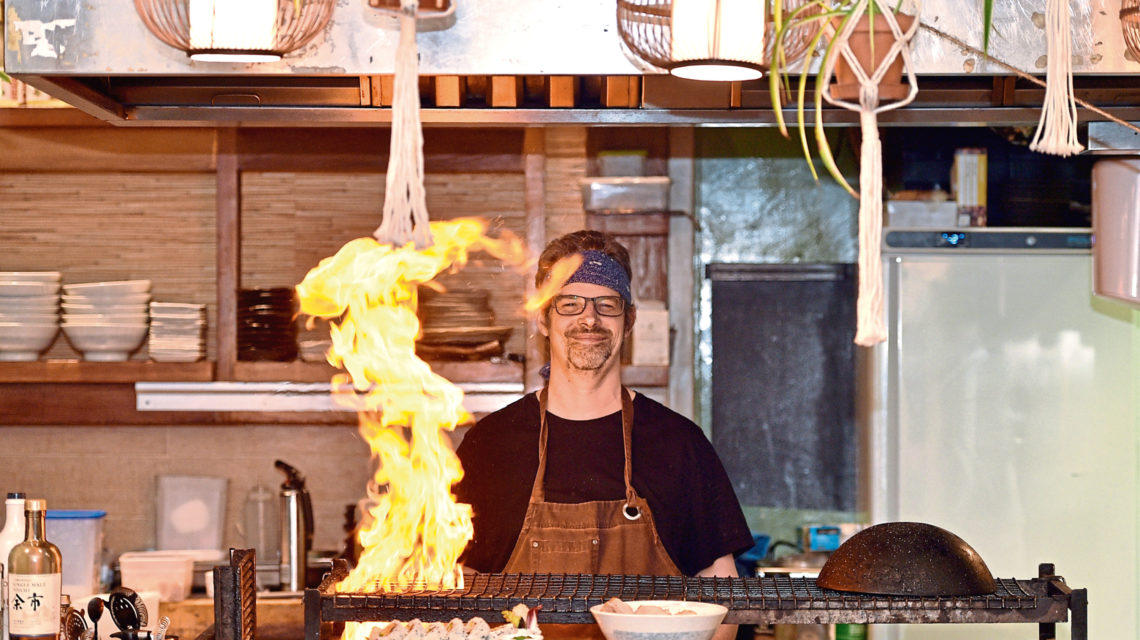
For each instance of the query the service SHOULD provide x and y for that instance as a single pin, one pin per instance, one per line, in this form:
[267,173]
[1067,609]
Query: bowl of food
[658,619]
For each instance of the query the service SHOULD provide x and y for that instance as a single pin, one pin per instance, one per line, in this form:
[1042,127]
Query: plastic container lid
[74,514]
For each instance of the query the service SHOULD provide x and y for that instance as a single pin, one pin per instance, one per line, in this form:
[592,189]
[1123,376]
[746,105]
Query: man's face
[587,341]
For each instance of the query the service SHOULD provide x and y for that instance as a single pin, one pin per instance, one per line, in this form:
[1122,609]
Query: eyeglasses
[605,305]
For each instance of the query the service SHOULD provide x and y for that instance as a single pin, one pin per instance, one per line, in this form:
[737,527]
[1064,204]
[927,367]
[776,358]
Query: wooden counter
[277,618]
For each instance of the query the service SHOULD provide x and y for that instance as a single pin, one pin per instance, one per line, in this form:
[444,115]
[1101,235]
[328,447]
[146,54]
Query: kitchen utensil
[163,623]
[74,624]
[127,609]
[296,528]
[907,558]
[95,608]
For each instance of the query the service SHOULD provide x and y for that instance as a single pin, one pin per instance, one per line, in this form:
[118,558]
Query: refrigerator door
[1009,399]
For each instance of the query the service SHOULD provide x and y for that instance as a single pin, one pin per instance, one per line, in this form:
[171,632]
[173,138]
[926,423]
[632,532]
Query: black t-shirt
[675,469]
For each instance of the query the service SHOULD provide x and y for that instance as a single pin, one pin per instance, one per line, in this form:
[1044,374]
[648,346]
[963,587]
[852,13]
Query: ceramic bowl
[30,276]
[673,625]
[105,300]
[104,318]
[24,341]
[105,342]
[22,289]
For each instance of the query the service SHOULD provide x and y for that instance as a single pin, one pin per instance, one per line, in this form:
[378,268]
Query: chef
[585,475]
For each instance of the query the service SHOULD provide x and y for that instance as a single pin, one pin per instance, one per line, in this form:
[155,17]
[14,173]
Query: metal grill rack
[567,598]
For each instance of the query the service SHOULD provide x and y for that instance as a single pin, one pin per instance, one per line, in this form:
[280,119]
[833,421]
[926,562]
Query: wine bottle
[34,581]
[10,536]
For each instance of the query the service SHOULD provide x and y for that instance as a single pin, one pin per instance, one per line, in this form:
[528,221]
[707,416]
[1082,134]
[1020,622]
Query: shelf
[75,371]
[299,371]
[48,117]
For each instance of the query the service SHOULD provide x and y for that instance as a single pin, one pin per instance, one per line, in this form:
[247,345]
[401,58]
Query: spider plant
[814,16]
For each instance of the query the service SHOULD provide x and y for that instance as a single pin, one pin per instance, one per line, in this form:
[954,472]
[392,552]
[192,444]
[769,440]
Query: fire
[368,292]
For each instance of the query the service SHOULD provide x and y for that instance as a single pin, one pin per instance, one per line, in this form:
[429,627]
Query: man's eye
[607,306]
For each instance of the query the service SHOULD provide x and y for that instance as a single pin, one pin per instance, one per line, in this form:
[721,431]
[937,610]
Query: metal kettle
[296,528]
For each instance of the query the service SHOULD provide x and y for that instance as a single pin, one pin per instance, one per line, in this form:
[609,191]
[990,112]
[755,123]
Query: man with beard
[586,476]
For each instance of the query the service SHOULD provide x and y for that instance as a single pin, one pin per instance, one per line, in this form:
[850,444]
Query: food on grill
[616,605]
[522,624]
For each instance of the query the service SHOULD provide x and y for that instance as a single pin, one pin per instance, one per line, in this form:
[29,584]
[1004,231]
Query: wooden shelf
[299,371]
[75,371]
[48,117]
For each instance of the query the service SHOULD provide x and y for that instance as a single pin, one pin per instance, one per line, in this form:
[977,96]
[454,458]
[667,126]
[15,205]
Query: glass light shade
[717,39]
[233,31]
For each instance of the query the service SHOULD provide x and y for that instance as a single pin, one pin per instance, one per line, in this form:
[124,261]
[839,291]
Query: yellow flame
[560,272]
[368,291]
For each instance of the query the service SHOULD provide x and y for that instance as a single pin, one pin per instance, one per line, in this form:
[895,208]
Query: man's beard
[591,356]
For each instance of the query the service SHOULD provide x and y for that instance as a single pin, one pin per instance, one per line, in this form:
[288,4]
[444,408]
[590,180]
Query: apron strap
[631,509]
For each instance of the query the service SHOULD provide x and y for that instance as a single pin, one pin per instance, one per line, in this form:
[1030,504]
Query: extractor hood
[99,56]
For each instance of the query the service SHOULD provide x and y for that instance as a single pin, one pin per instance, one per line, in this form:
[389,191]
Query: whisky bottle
[34,581]
[10,536]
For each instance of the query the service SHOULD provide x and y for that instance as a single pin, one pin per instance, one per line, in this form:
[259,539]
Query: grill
[567,598]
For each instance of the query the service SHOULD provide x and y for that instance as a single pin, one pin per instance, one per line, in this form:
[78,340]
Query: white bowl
[30,276]
[22,289]
[26,317]
[104,318]
[102,289]
[107,299]
[699,625]
[105,342]
[31,303]
[22,341]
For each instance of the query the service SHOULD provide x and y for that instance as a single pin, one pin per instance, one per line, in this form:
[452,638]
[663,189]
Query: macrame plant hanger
[1057,128]
[870,329]
[405,215]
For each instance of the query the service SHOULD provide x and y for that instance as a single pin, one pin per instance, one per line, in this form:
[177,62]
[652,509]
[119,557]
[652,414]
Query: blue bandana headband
[599,268]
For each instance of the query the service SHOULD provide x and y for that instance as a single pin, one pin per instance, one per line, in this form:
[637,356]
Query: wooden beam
[534,161]
[506,91]
[561,91]
[382,90]
[450,91]
[228,250]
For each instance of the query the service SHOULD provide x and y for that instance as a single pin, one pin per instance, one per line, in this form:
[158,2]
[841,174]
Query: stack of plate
[267,329]
[106,321]
[459,324]
[29,313]
[177,332]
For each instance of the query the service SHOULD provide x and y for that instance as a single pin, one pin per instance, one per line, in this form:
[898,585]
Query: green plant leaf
[987,23]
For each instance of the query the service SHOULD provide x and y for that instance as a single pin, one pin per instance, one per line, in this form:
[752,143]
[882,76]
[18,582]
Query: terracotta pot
[892,86]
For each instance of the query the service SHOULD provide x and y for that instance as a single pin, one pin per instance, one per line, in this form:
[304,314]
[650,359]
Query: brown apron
[601,537]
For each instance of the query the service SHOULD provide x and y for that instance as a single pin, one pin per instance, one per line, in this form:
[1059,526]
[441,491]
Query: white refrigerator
[1005,409]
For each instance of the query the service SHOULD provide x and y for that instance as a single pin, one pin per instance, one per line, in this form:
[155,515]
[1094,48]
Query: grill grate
[780,599]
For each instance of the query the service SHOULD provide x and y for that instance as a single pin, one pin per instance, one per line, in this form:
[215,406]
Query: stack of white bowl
[177,332]
[106,321]
[29,313]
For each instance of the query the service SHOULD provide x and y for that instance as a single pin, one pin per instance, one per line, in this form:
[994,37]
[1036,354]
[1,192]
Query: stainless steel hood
[98,55]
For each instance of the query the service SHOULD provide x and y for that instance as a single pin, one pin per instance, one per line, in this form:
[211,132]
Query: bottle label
[33,604]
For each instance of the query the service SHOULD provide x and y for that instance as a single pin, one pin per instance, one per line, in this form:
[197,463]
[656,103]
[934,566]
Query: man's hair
[577,242]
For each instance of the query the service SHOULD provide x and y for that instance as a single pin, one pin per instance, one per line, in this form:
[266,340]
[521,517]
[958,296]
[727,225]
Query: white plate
[117,287]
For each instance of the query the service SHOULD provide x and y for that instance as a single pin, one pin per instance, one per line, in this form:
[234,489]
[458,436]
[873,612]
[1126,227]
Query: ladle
[95,608]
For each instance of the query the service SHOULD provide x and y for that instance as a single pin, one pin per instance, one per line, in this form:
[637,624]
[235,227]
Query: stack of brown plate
[459,324]
[267,329]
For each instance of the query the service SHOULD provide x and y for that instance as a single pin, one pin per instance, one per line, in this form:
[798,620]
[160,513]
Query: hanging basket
[892,86]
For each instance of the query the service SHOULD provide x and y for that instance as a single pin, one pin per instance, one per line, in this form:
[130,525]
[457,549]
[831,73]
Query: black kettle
[296,528]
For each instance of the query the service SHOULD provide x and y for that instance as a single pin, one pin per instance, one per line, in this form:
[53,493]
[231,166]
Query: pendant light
[235,30]
[697,39]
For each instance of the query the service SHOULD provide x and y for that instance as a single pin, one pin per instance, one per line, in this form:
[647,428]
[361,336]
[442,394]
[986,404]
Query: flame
[560,272]
[368,291]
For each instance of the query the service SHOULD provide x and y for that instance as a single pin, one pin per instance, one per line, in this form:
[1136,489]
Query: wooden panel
[630,224]
[565,168]
[382,90]
[130,372]
[337,149]
[114,404]
[615,91]
[55,117]
[106,149]
[535,150]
